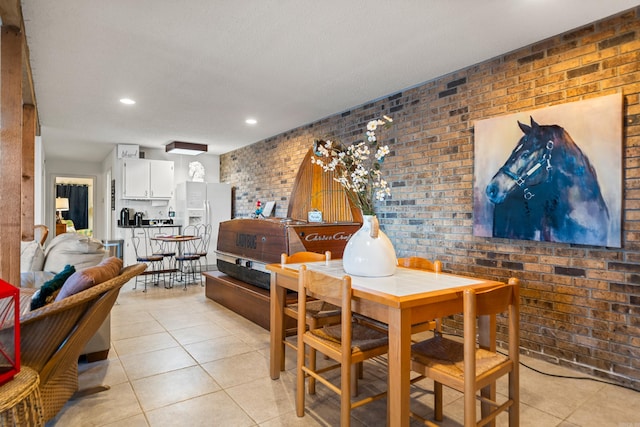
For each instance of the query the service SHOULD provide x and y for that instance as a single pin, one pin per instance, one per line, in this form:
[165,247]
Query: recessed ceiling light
[127,101]
[251,121]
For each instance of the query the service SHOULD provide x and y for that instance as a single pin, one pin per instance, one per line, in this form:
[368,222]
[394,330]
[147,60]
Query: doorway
[79,191]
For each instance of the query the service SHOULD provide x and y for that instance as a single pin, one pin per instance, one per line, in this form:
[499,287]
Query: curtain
[78,196]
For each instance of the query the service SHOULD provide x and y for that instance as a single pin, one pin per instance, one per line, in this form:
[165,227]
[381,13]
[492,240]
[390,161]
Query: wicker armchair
[52,337]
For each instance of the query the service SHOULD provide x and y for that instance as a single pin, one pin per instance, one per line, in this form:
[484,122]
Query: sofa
[38,265]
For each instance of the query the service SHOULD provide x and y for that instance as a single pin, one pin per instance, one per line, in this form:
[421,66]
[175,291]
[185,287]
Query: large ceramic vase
[369,251]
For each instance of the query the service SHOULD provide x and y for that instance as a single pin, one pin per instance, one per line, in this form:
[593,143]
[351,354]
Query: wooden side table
[20,402]
[61,228]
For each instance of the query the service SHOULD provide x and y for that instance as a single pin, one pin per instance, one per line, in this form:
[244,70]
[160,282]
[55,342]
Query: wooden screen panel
[316,189]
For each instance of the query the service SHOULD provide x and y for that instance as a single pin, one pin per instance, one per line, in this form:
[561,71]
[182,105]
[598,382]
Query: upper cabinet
[147,179]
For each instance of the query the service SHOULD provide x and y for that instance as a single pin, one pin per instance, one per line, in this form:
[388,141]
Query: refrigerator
[203,203]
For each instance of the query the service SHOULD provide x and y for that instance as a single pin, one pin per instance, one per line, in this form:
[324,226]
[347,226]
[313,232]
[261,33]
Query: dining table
[179,240]
[406,298]
[176,239]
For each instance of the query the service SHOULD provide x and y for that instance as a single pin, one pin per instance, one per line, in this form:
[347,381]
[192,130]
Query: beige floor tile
[135,421]
[184,319]
[199,333]
[126,310]
[568,424]
[264,399]
[611,405]
[549,394]
[310,419]
[141,365]
[230,320]
[117,403]
[131,330]
[102,373]
[244,368]
[256,339]
[529,416]
[323,408]
[176,386]
[124,315]
[144,344]
[217,348]
[214,409]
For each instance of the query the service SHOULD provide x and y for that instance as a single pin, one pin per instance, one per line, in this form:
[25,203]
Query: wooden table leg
[399,367]
[276,327]
[487,340]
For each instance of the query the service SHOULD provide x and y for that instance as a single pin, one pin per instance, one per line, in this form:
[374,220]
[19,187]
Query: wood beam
[11,15]
[10,152]
[28,170]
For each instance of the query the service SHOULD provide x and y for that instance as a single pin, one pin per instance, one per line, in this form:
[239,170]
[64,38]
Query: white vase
[369,251]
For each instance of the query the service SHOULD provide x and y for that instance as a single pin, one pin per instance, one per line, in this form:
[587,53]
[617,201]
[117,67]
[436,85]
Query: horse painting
[548,190]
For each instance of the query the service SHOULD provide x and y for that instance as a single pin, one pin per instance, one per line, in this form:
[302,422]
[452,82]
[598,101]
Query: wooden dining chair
[467,367]
[420,263]
[347,343]
[319,312]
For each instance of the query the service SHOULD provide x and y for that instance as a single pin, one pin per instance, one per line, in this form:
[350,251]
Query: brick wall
[580,304]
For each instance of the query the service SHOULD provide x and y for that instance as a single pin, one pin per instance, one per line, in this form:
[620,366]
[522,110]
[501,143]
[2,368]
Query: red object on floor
[9,331]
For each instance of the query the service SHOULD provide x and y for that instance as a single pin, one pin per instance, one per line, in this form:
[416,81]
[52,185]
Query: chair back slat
[324,287]
[493,301]
[420,263]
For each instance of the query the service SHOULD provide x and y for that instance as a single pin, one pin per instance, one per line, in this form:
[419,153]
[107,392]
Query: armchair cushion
[91,276]
[45,294]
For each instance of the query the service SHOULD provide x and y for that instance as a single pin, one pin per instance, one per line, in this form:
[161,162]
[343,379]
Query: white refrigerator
[203,203]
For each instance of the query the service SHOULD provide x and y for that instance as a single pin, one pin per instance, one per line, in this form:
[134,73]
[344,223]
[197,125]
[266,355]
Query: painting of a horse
[548,190]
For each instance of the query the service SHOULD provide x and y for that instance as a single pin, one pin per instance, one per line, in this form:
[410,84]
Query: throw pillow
[31,256]
[72,248]
[45,294]
[91,276]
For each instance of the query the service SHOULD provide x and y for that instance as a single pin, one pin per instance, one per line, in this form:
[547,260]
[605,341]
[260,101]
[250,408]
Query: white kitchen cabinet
[161,181]
[135,179]
[147,179]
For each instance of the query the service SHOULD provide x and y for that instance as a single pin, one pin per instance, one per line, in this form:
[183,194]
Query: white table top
[405,281]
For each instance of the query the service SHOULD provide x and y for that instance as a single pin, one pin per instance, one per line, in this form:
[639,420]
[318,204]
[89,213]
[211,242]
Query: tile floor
[178,358]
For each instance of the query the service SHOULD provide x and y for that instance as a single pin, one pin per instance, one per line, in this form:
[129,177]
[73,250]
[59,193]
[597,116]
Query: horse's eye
[525,154]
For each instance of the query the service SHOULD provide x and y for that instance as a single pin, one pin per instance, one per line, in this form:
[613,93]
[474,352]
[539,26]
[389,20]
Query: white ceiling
[199,68]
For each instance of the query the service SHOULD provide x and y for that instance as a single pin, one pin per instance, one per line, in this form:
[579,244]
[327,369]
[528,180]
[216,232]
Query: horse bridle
[522,179]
